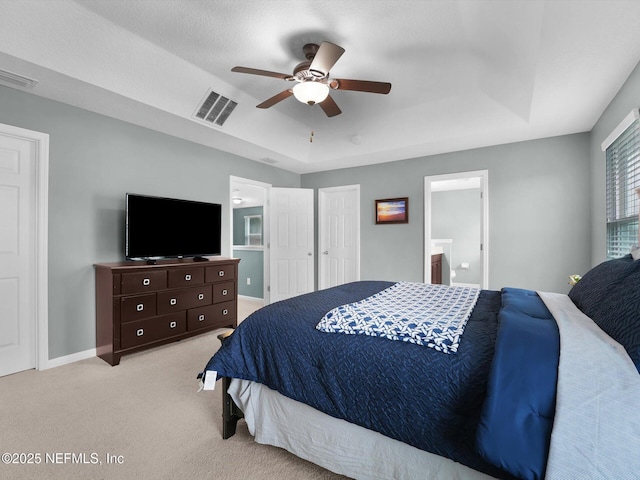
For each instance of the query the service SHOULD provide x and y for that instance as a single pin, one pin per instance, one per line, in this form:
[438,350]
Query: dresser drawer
[212,315]
[137,307]
[137,333]
[220,273]
[223,292]
[225,313]
[140,282]
[183,299]
[185,277]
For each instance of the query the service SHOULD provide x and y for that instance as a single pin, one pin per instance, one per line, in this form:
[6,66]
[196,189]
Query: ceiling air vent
[215,108]
[15,79]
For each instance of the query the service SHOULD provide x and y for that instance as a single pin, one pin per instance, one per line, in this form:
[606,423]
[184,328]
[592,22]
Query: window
[253,230]
[623,178]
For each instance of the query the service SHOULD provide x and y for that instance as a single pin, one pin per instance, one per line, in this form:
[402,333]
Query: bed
[533,385]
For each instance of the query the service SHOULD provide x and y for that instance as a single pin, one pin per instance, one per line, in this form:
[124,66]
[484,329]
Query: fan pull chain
[311,137]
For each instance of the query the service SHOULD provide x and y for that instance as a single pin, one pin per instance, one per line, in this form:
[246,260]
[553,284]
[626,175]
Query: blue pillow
[619,315]
[610,295]
[595,285]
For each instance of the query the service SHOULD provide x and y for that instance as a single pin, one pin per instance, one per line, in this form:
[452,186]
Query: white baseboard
[469,285]
[74,357]
[252,299]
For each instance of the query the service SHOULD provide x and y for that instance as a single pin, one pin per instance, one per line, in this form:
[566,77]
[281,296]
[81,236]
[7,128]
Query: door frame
[322,273]
[41,248]
[265,225]
[484,221]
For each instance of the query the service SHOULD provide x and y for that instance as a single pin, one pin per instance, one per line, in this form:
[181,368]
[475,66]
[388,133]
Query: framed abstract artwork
[392,210]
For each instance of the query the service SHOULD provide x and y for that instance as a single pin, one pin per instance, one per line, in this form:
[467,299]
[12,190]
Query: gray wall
[546,200]
[94,161]
[627,99]
[251,264]
[456,215]
[539,211]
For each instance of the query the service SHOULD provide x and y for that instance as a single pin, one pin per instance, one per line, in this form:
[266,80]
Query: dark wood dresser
[140,306]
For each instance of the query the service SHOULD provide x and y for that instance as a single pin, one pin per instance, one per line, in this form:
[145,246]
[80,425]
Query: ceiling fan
[313,82]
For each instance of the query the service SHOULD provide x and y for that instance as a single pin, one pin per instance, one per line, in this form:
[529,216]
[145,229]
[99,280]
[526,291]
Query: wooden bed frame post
[231,413]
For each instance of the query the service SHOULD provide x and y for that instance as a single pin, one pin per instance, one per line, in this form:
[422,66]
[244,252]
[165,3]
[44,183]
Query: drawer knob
[200,317]
[187,277]
[140,307]
[146,282]
[225,311]
[173,301]
[201,296]
[140,332]
[173,325]
[224,292]
[221,273]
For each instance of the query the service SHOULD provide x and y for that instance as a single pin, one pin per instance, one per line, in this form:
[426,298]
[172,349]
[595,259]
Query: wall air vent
[215,109]
[15,79]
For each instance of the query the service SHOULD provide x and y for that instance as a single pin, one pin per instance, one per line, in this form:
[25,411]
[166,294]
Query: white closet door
[292,263]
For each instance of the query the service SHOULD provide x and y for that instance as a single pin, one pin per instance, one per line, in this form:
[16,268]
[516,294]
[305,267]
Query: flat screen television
[158,227]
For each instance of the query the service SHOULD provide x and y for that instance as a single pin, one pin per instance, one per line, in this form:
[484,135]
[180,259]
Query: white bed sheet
[596,430]
[335,444]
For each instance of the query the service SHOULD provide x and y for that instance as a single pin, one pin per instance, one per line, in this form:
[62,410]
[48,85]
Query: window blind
[623,178]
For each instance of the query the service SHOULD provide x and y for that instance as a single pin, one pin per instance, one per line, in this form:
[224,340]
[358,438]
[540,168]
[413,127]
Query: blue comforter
[408,392]
[517,419]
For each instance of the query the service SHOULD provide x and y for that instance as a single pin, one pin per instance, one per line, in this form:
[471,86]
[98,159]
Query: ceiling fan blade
[330,107]
[264,73]
[325,58]
[361,85]
[275,99]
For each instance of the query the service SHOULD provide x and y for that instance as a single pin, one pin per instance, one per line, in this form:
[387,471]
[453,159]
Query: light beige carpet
[144,415]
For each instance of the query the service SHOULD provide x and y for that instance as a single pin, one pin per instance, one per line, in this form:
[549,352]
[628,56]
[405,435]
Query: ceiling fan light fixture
[310,92]
[312,79]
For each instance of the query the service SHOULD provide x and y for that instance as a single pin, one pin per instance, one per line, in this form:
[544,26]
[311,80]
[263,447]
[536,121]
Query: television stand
[200,259]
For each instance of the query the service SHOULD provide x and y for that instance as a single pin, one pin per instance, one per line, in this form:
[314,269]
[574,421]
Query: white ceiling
[465,74]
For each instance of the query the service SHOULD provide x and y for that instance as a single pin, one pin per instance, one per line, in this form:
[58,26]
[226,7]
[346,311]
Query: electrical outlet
[248,280]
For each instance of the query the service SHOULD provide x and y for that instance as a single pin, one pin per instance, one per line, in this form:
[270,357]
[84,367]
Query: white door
[339,235]
[291,242]
[17,248]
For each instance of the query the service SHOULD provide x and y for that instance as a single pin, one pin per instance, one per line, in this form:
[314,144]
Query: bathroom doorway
[457,228]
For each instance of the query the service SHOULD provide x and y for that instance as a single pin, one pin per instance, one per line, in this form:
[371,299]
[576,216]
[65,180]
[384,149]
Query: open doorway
[457,229]
[272,233]
[249,236]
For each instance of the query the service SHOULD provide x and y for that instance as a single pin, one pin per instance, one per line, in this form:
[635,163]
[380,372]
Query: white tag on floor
[210,377]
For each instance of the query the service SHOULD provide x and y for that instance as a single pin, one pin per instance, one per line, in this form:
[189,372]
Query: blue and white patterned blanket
[424,314]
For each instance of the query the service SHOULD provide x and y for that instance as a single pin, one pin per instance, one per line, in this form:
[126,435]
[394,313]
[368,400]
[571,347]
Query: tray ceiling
[465,74]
